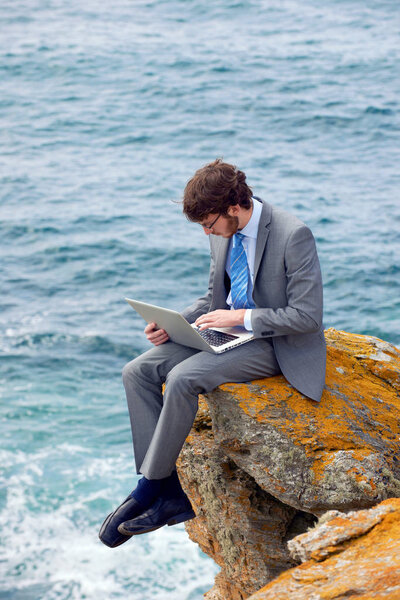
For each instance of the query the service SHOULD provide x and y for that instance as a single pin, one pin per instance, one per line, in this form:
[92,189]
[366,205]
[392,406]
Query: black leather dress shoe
[164,511]
[109,534]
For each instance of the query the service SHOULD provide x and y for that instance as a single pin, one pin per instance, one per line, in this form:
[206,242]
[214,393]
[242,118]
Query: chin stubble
[233,224]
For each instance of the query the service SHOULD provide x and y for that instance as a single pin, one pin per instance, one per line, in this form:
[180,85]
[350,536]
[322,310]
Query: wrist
[241,313]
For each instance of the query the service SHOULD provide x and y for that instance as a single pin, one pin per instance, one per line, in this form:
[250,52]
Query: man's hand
[221,318]
[154,335]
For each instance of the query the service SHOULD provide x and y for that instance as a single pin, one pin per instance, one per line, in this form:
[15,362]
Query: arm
[303,311]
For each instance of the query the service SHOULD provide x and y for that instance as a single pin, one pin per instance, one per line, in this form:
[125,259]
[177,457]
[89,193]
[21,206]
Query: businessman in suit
[264,276]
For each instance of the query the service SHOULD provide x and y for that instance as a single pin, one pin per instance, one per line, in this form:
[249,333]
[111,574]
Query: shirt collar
[251,229]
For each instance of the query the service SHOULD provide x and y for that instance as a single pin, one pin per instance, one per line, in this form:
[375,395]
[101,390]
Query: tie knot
[238,238]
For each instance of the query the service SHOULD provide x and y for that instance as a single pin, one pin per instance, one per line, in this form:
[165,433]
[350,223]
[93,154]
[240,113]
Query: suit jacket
[287,292]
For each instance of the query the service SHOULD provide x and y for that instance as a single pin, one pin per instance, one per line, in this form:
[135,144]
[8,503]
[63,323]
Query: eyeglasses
[212,224]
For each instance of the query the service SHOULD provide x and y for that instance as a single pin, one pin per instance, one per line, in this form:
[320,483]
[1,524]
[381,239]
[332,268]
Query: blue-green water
[106,109]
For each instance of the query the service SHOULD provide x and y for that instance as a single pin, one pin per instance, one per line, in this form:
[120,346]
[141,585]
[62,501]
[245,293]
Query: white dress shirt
[249,243]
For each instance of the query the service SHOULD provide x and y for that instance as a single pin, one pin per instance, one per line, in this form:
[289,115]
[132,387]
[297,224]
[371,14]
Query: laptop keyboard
[216,338]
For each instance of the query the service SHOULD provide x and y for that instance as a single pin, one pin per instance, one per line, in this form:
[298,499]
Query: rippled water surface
[106,109]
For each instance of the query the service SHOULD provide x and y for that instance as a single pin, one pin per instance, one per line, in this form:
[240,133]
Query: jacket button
[267,332]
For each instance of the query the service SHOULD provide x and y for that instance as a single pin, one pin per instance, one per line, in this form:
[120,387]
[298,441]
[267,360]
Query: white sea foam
[53,545]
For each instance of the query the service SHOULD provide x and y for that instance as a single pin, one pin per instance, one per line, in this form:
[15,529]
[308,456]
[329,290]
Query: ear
[234,210]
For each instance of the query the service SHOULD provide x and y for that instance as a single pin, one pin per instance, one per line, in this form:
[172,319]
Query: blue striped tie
[239,273]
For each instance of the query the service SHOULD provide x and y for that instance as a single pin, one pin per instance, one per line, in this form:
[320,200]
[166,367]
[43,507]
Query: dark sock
[148,490]
[171,486]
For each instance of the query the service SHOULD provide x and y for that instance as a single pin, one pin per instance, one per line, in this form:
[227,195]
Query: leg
[167,420]
[199,373]
[143,378]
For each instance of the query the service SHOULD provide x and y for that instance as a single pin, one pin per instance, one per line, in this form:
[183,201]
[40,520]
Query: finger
[162,341]
[204,319]
[150,327]
[207,315]
[155,335]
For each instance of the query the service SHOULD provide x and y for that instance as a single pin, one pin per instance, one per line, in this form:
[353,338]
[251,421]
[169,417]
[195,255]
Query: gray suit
[287,324]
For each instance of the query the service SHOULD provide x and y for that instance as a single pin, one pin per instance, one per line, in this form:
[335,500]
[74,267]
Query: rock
[353,555]
[236,520]
[262,461]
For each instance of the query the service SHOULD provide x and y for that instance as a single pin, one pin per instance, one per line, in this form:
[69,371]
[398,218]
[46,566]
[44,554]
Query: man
[265,276]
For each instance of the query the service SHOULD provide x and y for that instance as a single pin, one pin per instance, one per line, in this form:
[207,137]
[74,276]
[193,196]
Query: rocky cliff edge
[263,462]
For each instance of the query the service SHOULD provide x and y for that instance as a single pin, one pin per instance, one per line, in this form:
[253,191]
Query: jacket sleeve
[201,305]
[303,310]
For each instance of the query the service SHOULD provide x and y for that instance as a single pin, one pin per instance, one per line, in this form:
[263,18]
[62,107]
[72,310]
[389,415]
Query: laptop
[216,340]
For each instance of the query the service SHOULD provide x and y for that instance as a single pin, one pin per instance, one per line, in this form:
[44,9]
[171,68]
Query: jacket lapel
[262,236]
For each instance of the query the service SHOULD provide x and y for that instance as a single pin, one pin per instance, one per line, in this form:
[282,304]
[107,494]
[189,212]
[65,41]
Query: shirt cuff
[247,320]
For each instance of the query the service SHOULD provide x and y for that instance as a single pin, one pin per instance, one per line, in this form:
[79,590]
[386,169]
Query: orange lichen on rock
[310,424]
[331,420]
[355,556]
[348,441]
[376,355]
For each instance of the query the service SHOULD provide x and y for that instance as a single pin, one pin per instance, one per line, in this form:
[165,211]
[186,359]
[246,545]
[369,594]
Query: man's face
[223,225]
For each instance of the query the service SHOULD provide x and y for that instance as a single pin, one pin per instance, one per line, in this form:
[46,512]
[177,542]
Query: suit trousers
[161,422]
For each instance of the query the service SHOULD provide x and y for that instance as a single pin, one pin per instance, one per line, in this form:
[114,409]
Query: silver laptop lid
[182,332]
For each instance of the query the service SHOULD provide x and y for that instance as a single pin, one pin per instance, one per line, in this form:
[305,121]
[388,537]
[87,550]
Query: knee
[130,370]
[143,369]
[180,384]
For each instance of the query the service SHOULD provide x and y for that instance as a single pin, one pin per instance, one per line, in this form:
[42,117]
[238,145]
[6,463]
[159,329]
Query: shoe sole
[172,521]
[181,518]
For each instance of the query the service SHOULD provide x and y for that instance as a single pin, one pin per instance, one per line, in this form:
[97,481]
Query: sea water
[106,110]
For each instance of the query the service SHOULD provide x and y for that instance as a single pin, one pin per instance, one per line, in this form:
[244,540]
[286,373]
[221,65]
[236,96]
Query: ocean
[106,110]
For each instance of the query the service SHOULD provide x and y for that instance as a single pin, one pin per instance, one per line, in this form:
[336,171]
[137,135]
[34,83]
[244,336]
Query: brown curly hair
[213,189]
